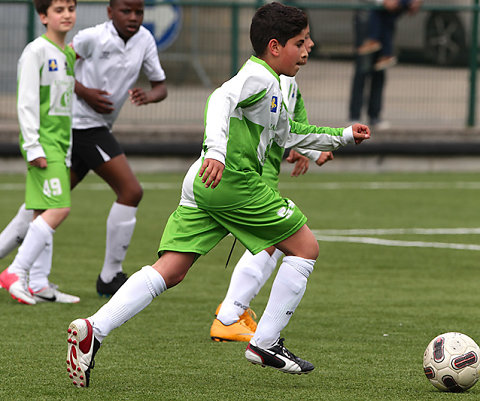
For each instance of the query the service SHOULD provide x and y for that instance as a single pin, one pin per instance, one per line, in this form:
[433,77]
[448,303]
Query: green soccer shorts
[258,225]
[48,188]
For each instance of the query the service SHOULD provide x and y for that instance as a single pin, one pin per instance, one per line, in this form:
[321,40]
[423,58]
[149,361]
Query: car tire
[445,39]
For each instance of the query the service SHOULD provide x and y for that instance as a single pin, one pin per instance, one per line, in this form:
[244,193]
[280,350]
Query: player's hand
[324,157]
[211,172]
[301,163]
[138,96]
[360,132]
[40,162]
[97,99]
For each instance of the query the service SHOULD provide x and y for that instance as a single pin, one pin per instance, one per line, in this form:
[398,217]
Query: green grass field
[368,313]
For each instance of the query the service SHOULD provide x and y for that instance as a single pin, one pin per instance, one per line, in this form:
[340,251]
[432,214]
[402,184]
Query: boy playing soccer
[223,192]
[44,103]
[110,57]
[234,320]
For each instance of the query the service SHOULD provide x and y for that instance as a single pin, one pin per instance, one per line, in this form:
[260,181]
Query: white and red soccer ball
[451,362]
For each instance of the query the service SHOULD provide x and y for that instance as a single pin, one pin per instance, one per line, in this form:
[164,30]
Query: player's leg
[120,222]
[287,291]
[39,285]
[189,233]
[86,335]
[14,233]
[258,225]
[98,150]
[47,191]
[248,277]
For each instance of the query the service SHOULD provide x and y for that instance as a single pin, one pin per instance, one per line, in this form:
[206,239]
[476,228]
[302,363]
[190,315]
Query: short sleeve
[83,42]
[151,63]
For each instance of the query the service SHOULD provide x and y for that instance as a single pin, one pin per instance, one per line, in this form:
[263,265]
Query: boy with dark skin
[103,79]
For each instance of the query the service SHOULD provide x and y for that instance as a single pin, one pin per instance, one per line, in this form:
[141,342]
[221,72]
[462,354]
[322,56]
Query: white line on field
[378,241]
[390,231]
[295,185]
[99,186]
[381,185]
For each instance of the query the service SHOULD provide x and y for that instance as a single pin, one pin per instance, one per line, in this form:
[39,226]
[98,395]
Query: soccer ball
[451,362]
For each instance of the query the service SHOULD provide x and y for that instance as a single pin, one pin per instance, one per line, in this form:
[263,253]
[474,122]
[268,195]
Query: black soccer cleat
[277,357]
[108,289]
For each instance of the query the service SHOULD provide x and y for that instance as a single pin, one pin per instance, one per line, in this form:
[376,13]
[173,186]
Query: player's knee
[64,212]
[310,250]
[131,196]
[137,194]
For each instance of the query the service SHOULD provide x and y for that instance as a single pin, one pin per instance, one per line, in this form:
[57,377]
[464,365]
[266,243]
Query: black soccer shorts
[91,148]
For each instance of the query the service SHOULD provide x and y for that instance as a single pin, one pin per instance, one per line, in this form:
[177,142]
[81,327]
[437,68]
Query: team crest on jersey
[274,104]
[52,65]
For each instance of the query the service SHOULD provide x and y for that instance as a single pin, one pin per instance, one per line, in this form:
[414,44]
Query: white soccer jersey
[108,63]
[44,106]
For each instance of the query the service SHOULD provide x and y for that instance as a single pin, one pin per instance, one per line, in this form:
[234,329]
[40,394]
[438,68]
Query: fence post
[473,67]
[234,40]
[30,22]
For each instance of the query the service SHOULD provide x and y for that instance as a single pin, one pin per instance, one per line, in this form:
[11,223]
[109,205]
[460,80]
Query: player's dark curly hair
[42,5]
[275,21]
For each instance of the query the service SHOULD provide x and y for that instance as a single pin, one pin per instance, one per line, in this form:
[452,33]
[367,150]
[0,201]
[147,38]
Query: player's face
[60,17]
[308,43]
[127,16]
[294,54]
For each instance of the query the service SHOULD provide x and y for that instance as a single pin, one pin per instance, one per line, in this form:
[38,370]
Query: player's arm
[237,92]
[83,44]
[298,156]
[301,163]
[97,99]
[28,107]
[155,74]
[157,93]
[324,138]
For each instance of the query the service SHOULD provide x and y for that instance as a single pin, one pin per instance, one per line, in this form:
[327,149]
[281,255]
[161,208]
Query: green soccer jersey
[293,102]
[44,100]
[243,119]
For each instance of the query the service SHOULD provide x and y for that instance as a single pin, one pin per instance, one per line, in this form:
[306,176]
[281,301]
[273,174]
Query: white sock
[39,235]
[287,291]
[120,225]
[14,233]
[132,297]
[244,285]
[270,267]
[38,278]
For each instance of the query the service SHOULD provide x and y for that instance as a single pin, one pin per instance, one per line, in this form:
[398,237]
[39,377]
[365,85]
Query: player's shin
[39,235]
[120,226]
[135,295]
[245,283]
[38,277]
[14,233]
[287,292]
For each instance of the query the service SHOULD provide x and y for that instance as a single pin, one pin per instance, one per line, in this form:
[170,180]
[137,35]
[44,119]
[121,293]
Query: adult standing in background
[365,73]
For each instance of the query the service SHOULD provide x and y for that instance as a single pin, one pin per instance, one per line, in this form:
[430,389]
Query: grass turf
[368,313]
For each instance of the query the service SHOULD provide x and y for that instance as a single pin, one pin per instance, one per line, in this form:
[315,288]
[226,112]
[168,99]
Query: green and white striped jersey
[243,118]
[45,84]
